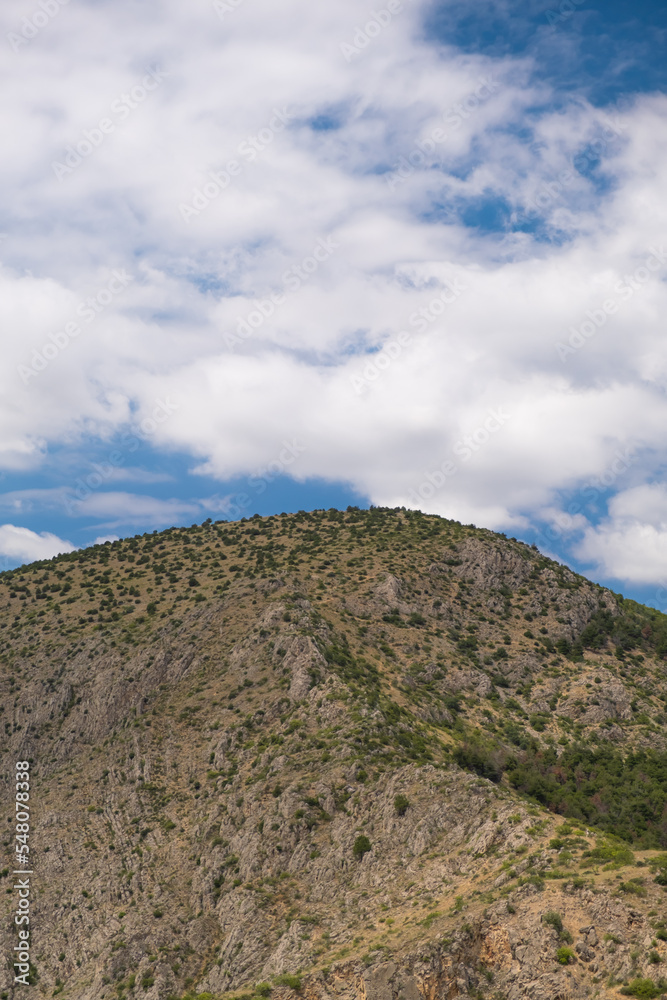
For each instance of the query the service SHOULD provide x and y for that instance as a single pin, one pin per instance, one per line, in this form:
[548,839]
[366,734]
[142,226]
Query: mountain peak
[354,751]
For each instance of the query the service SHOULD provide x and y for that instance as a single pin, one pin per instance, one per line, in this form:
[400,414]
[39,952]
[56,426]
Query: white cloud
[163,335]
[25,546]
[118,509]
[137,475]
[631,544]
[646,503]
[24,501]
[105,538]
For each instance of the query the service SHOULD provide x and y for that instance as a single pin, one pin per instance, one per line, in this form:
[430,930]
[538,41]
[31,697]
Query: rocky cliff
[358,754]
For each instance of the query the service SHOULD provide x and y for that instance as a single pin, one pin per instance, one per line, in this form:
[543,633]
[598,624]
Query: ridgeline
[370,754]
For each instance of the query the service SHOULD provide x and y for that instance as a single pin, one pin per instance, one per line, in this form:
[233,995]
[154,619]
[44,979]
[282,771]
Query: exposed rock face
[614,702]
[492,566]
[305,664]
[244,744]
[512,952]
[389,590]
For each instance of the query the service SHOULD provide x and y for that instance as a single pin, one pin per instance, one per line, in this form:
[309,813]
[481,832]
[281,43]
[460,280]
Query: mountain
[328,755]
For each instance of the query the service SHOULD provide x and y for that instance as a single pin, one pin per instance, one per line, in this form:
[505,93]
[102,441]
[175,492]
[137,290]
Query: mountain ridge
[271,745]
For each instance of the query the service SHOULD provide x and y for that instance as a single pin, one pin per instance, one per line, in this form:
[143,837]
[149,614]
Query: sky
[259,258]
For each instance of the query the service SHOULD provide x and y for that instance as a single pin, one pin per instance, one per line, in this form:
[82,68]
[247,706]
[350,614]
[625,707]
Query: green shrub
[263,989]
[485,761]
[294,982]
[553,919]
[361,846]
[535,880]
[626,793]
[565,955]
[632,888]
[642,988]
[401,804]
[616,854]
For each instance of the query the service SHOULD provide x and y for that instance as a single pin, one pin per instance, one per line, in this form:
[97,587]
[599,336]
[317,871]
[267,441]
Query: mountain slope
[315,751]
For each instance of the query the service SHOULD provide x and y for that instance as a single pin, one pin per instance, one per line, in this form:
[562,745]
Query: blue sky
[605,52]
[256,260]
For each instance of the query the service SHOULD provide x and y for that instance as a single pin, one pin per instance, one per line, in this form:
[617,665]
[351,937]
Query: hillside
[342,754]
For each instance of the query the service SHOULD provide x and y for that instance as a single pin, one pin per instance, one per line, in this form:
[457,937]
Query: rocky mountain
[362,754]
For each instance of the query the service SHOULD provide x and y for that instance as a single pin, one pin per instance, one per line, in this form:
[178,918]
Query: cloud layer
[233,227]
[21,545]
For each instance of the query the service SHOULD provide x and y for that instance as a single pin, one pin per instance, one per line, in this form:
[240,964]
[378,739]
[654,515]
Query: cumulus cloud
[274,241]
[631,544]
[117,508]
[23,545]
